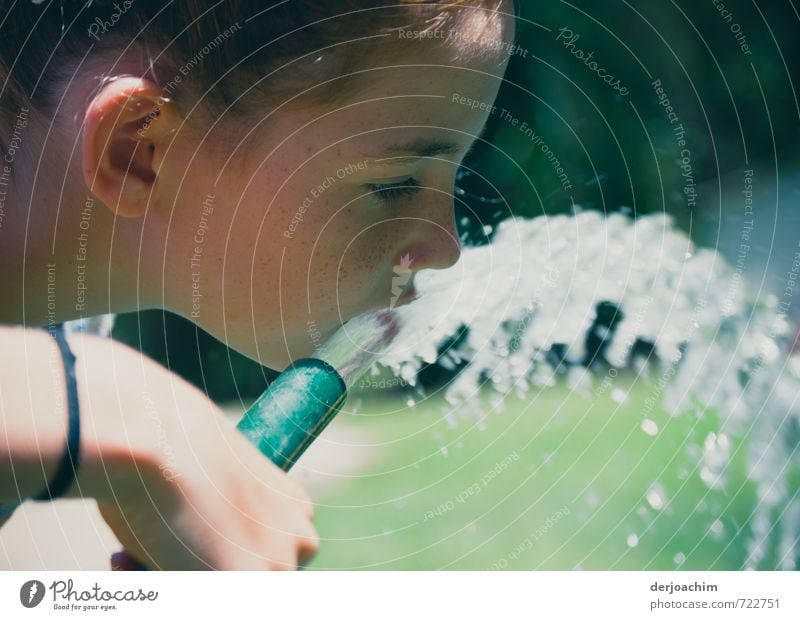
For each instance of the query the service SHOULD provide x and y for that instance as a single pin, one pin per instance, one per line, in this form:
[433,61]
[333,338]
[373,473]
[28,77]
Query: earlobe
[126,126]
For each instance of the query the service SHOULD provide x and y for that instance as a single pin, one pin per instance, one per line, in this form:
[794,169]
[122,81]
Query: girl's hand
[179,486]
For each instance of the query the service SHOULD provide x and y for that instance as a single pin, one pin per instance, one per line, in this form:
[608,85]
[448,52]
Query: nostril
[439,252]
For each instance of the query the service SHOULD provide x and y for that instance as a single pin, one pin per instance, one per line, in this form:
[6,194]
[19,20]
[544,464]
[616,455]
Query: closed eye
[388,192]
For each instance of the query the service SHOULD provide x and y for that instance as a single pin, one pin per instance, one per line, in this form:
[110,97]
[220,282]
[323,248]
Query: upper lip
[409,293]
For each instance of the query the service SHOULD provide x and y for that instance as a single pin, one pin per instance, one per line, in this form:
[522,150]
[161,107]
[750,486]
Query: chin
[279,355]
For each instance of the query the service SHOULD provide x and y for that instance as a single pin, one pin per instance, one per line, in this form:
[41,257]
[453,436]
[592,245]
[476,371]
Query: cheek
[314,255]
[344,260]
[367,255]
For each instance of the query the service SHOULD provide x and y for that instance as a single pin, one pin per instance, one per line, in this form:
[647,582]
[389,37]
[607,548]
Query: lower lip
[408,295]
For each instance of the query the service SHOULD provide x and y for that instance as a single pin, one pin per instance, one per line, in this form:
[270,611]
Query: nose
[435,243]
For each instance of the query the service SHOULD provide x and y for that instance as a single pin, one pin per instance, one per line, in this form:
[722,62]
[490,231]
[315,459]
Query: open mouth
[408,295]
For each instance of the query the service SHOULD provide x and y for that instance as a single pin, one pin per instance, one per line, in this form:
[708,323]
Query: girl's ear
[127,127]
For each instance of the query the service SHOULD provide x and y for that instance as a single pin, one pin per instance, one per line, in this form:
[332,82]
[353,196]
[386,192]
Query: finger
[306,549]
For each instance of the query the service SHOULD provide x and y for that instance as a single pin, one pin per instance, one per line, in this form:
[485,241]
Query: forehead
[467,36]
[446,82]
[408,86]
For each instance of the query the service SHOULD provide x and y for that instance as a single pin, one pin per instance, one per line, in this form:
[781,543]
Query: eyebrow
[419,149]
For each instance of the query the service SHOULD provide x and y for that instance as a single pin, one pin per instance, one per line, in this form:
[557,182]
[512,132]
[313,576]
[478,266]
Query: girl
[259,168]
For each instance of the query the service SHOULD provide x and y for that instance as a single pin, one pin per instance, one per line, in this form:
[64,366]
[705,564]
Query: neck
[63,253]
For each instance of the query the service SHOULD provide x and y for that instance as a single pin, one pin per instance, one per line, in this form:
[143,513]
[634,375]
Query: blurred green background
[556,482]
[634,500]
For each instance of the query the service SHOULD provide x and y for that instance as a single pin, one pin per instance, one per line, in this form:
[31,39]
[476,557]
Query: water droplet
[444,451]
[633,540]
[649,427]
[619,396]
[679,558]
[656,497]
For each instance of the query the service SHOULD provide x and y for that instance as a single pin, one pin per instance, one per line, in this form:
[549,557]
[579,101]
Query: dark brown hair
[213,50]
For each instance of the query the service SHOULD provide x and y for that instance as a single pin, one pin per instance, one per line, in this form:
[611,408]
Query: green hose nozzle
[300,403]
[294,410]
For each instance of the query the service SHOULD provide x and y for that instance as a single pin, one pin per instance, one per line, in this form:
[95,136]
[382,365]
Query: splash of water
[359,343]
[536,289]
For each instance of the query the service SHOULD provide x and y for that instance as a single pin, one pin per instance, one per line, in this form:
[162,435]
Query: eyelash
[389,192]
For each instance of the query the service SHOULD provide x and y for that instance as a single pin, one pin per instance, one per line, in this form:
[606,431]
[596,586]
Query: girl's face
[333,213]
